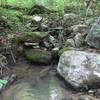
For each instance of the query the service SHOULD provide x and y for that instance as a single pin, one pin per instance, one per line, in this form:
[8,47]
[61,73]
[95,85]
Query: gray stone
[69,16]
[93,37]
[70,19]
[80,28]
[79,40]
[70,42]
[81,69]
[76,42]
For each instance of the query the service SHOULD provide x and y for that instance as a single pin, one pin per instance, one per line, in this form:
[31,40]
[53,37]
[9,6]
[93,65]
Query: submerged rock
[80,69]
[47,89]
[93,37]
[23,92]
[38,56]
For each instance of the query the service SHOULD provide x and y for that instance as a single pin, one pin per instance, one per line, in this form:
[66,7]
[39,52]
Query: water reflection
[49,89]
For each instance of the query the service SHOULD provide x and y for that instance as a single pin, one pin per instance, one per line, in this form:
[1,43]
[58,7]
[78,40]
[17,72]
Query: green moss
[32,36]
[10,14]
[64,49]
[12,18]
[39,56]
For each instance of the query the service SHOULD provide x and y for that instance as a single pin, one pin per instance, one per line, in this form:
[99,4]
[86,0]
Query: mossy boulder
[38,56]
[31,36]
[61,51]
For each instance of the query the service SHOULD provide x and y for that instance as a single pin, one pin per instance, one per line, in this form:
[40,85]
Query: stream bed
[29,86]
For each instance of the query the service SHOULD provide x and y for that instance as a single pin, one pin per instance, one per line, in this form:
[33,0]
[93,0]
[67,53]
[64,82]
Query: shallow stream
[30,87]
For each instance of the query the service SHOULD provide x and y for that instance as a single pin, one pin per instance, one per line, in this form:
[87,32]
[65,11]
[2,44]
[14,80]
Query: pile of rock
[34,47]
[82,68]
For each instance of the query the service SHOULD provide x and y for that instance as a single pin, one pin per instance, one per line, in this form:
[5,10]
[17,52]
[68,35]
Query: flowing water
[28,87]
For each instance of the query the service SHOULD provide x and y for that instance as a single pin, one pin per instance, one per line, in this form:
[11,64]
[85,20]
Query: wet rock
[31,36]
[80,69]
[38,56]
[93,37]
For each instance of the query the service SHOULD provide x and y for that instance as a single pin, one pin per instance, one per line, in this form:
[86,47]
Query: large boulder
[38,56]
[81,69]
[93,37]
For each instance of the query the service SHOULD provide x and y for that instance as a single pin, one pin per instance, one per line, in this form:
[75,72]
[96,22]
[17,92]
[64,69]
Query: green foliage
[10,14]
[52,4]
[21,3]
